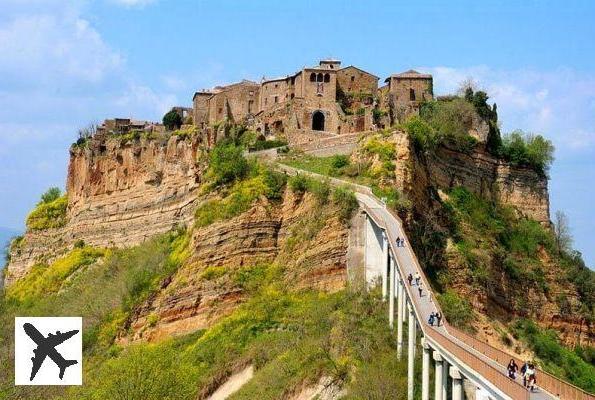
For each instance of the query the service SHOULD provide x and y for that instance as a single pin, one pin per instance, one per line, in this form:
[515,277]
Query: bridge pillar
[425,371]
[410,351]
[457,383]
[385,262]
[391,299]
[438,360]
[400,300]
[445,366]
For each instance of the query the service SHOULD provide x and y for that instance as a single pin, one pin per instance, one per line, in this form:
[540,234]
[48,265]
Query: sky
[65,64]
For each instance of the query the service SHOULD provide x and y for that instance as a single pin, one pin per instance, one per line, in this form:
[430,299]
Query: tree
[172,120]
[227,163]
[562,232]
[50,195]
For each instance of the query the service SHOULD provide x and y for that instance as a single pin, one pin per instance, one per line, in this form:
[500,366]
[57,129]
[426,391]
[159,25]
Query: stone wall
[119,194]
[352,79]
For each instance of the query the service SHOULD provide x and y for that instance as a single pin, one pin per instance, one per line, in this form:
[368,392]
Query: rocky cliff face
[210,285]
[478,171]
[119,194]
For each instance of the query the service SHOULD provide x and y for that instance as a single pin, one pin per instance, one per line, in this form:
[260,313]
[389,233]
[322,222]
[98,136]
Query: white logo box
[69,349]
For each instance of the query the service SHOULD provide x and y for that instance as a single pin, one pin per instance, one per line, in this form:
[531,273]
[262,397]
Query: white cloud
[558,104]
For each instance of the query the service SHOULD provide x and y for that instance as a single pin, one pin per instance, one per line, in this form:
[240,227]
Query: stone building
[406,91]
[315,102]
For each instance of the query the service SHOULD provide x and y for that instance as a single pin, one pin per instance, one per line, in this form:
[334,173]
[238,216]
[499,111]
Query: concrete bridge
[453,354]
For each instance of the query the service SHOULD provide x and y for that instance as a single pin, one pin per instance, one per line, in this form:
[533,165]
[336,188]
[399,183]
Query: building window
[312,77]
[319,77]
[276,99]
[251,93]
[352,78]
[411,95]
[292,95]
[327,77]
[265,101]
[332,66]
[250,104]
[276,86]
[220,110]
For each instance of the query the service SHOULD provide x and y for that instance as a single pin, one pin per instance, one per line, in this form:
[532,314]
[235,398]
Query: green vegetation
[342,197]
[555,358]
[172,120]
[291,338]
[457,310]
[227,164]
[526,150]
[46,279]
[103,293]
[267,144]
[50,212]
[446,121]
[378,178]
[260,181]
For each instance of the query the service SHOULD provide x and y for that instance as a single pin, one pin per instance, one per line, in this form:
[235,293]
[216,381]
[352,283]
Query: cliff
[120,192]
[416,175]
[212,283]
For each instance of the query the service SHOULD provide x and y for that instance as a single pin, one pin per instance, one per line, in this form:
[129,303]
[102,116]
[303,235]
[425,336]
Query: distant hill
[5,235]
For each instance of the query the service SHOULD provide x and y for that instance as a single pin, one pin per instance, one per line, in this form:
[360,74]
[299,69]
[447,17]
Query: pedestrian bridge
[453,354]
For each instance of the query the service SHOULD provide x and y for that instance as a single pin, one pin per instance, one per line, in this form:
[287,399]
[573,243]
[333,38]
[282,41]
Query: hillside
[191,263]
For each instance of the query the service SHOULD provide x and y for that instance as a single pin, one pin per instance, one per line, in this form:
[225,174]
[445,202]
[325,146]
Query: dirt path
[233,384]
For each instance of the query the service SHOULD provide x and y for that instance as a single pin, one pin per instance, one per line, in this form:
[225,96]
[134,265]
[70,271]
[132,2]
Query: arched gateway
[318,121]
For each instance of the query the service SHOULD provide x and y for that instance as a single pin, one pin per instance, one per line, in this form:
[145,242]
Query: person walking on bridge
[438,318]
[409,278]
[419,288]
[530,377]
[417,278]
[512,369]
[398,241]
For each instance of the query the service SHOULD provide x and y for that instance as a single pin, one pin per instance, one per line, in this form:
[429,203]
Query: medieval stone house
[318,101]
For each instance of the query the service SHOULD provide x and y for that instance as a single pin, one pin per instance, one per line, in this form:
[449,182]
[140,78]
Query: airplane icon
[46,347]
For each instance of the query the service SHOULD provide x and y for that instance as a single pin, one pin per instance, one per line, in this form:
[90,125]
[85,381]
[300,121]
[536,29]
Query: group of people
[400,242]
[417,278]
[527,373]
[435,316]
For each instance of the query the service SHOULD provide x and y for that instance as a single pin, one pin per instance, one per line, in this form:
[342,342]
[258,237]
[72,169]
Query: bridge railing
[546,381]
[549,383]
[508,386]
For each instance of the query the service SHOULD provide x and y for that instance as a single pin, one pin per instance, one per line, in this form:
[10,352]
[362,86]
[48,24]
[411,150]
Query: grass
[457,310]
[101,286]
[48,215]
[340,166]
[554,357]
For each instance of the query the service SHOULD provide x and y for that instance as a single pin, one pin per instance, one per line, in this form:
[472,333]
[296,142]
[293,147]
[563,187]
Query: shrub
[385,150]
[275,183]
[212,273]
[339,161]
[533,151]
[50,195]
[172,120]
[556,359]
[347,202]
[457,310]
[268,144]
[43,280]
[423,136]
[240,198]
[227,163]
[298,183]
[50,212]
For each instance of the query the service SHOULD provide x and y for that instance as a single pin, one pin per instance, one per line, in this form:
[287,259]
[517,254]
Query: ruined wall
[352,79]
[119,194]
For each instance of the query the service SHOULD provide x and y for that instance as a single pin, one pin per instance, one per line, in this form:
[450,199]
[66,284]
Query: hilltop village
[316,102]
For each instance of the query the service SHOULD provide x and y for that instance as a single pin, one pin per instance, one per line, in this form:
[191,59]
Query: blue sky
[65,64]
